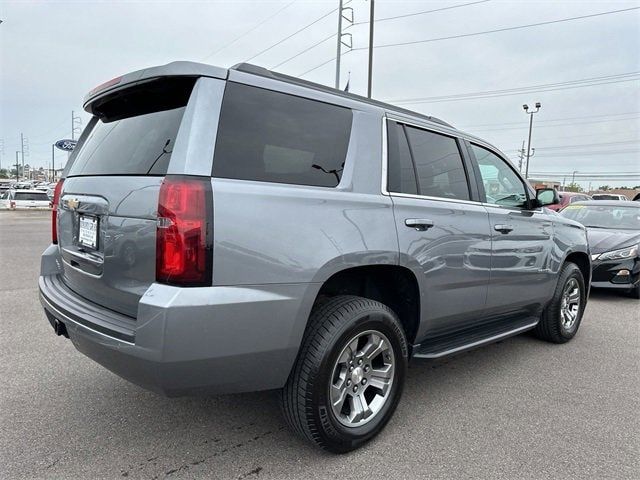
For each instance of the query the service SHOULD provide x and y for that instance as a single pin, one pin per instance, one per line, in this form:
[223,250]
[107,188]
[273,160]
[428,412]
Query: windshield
[605,216]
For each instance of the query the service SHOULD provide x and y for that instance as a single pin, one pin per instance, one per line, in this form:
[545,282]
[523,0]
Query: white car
[25,199]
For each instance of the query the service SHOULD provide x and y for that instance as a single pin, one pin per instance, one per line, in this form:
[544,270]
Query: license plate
[88,231]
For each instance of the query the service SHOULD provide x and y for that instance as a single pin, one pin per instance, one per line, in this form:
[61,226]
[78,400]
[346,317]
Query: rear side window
[136,130]
[274,137]
[438,164]
[31,196]
[402,176]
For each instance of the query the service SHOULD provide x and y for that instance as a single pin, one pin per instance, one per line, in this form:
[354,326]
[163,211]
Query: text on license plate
[88,231]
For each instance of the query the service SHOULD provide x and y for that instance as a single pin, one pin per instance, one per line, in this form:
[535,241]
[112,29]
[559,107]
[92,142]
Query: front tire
[561,318]
[349,374]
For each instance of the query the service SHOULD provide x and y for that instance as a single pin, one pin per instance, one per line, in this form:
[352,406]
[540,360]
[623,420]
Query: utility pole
[521,153]
[22,150]
[1,151]
[371,20]
[17,166]
[76,125]
[340,41]
[530,113]
[573,177]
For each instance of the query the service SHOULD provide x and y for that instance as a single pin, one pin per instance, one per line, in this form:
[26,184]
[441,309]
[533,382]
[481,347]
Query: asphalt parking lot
[517,409]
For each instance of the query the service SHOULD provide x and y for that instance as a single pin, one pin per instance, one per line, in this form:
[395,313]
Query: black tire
[550,327]
[635,292]
[305,398]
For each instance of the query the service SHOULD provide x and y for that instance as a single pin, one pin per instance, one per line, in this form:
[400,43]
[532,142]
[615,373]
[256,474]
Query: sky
[53,52]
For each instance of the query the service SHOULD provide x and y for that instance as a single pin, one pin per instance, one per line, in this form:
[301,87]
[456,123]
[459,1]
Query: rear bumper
[188,340]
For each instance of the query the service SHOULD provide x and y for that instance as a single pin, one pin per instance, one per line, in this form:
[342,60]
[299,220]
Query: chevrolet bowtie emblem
[73,203]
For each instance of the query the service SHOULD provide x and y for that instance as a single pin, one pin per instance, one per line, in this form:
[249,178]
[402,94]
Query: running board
[461,341]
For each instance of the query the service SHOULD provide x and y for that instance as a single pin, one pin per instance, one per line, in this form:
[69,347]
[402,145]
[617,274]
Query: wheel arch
[583,262]
[393,285]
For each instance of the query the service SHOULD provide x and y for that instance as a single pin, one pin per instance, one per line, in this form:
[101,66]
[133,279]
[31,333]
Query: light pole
[530,113]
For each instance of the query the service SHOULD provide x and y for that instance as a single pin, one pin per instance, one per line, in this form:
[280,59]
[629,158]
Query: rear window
[274,137]
[31,196]
[136,130]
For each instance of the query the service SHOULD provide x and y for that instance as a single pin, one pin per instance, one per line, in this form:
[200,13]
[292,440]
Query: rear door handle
[503,228]
[420,224]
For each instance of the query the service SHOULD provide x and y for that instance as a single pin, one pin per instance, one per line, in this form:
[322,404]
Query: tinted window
[139,145]
[31,196]
[273,137]
[402,177]
[136,130]
[501,184]
[438,165]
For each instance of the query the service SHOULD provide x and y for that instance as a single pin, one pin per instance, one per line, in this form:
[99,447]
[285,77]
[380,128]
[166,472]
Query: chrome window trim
[385,162]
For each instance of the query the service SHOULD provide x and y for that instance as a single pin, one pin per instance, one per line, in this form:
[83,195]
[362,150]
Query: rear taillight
[12,204]
[184,232]
[54,211]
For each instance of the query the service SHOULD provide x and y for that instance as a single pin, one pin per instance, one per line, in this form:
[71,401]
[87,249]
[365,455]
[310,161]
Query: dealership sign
[66,145]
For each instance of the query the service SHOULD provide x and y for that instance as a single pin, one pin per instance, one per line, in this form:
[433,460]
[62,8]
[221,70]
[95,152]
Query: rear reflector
[54,211]
[184,232]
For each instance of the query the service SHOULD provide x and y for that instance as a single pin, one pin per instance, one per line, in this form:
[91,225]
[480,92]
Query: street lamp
[530,113]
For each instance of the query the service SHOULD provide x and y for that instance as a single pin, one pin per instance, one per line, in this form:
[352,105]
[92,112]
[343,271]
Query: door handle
[503,228]
[420,224]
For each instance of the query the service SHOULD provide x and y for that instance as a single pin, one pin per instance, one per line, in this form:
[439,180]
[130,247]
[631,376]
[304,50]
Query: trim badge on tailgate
[73,203]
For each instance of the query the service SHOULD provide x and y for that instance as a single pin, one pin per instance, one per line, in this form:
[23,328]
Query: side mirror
[547,196]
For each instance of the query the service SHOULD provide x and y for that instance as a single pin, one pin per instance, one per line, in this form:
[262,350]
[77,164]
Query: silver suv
[229,230]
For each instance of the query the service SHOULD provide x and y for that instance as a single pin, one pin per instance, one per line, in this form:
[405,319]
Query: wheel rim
[570,304]
[361,379]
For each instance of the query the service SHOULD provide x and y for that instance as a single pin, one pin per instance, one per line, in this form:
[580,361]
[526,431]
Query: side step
[448,344]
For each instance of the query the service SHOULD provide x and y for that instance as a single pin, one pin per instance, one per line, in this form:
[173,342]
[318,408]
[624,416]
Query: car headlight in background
[620,254]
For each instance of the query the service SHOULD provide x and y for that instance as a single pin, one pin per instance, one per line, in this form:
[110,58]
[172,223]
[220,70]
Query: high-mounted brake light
[107,84]
[54,211]
[184,232]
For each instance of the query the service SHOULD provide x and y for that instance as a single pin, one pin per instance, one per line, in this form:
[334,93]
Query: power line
[248,31]
[584,82]
[583,145]
[321,65]
[304,51]
[505,29]
[570,124]
[292,35]
[548,120]
[384,19]
[588,154]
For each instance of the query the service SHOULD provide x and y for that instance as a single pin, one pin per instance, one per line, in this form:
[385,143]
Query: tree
[573,187]
[604,188]
[4,173]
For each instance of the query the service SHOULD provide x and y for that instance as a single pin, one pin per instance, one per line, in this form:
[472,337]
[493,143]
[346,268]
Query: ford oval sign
[66,145]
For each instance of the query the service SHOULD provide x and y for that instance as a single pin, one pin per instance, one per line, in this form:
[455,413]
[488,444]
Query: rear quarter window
[270,136]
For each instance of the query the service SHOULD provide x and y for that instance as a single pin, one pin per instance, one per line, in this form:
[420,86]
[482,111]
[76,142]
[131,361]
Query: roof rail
[263,72]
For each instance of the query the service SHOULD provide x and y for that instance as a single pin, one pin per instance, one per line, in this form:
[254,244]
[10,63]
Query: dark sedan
[613,229]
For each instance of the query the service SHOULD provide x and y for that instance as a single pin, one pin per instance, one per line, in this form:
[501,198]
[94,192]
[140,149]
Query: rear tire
[562,316]
[349,374]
